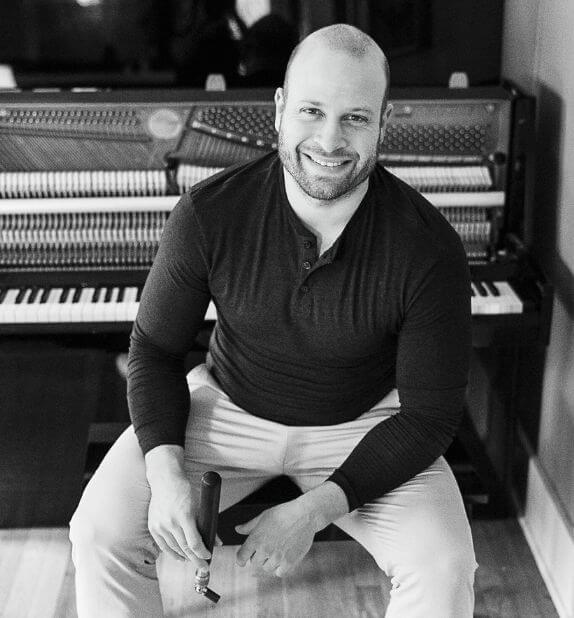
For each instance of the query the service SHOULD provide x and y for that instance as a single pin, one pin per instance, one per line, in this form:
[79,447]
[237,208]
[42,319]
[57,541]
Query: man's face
[330,122]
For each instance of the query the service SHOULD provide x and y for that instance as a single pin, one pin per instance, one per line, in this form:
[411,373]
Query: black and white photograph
[286,309]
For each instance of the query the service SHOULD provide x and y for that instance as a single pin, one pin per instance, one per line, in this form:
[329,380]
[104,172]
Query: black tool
[210,489]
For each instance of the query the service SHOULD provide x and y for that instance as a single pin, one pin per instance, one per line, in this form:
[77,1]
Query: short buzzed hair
[345,38]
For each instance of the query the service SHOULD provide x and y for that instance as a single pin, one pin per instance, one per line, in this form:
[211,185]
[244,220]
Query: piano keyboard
[49,305]
[37,305]
[494,298]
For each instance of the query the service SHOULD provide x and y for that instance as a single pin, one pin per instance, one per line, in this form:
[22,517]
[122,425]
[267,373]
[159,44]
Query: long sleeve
[172,309]
[431,376]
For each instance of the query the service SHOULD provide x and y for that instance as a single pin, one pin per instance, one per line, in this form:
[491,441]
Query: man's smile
[326,162]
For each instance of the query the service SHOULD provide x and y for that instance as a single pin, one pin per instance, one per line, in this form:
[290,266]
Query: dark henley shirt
[304,339]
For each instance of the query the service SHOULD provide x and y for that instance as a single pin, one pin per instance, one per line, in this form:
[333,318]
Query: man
[339,358]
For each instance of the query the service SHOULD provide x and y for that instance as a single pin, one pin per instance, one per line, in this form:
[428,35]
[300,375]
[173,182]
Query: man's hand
[173,507]
[280,537]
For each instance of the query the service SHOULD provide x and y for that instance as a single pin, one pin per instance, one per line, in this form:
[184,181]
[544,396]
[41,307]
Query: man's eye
[311,111]
[357,119]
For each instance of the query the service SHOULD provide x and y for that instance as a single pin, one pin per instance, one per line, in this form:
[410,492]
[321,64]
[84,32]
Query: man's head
[332,111]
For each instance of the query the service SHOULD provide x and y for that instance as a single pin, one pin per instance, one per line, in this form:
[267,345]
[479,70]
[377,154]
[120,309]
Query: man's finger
[244,553]
[193,549]
[193,541]
[174,544]
[165,547]
[270,566]
[259,559]
[283,569]
[248,526]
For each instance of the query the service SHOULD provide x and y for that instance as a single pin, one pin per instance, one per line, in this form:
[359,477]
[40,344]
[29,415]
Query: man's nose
[329,136]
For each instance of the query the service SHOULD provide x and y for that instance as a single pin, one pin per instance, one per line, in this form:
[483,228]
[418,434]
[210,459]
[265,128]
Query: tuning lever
[209,491]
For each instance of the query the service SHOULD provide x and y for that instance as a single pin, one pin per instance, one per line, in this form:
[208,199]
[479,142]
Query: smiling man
[339,358]
[331,124]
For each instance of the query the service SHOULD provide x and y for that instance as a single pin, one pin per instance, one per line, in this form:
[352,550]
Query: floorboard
[337,578]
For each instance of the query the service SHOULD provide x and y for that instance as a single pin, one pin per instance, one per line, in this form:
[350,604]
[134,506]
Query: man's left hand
[279,538]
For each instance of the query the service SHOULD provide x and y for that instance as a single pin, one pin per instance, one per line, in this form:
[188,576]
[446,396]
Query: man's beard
[323,188]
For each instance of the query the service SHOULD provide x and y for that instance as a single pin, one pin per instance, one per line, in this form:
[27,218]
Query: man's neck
[325,218]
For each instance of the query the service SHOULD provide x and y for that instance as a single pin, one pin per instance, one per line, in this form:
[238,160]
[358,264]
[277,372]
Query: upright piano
[87,181]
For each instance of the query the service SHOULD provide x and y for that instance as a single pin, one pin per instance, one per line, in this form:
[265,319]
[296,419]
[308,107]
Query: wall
[538,55]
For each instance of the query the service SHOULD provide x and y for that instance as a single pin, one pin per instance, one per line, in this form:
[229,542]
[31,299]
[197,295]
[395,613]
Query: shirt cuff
[341,480]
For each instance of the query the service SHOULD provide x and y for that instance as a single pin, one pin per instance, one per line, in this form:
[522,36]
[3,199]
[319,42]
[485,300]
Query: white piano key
[120,312]
[21,309]
[48,310]
[512,302]
[130,304]
[109,308]
[87,311]
[99,307]
[52,308]
[76,309]
[65,309]
[485,304]
[117,311]
[8,306]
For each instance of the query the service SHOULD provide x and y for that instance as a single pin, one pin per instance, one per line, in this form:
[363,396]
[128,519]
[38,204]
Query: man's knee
[453,563]
[106,542]
[91,532]
[441,562]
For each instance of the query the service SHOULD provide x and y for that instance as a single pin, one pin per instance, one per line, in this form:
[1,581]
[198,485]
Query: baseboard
[549,535]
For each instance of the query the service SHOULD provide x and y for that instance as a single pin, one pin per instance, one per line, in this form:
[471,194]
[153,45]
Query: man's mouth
[326,162]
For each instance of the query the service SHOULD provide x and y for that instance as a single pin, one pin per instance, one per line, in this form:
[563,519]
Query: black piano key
[472,292]
[77,295]
[481,289]
[21,294]
[34,295]
[139,294]
[45,294]
[121,293]
[492,288]
[64,296]
[108,295]
[3,292]
[97,294]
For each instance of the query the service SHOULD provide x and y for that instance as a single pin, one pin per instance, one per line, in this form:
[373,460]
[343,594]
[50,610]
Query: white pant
[418,533]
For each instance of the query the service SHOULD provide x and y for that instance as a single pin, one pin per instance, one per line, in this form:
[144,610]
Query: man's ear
[385,121]
[279,106]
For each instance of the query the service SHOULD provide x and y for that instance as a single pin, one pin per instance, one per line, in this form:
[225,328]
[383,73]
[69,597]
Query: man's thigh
[116,500]
[423,514]
[415,523]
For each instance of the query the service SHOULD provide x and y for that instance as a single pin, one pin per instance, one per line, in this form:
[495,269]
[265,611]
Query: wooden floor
[337,578]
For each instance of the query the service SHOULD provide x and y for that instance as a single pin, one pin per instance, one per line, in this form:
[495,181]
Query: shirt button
[307,244]
[304,289]
[306,265]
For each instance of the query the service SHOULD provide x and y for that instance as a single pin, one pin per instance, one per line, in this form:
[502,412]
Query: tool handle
[209,491]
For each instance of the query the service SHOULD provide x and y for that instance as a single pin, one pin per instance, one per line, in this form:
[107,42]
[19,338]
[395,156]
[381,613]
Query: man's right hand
[173,507]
